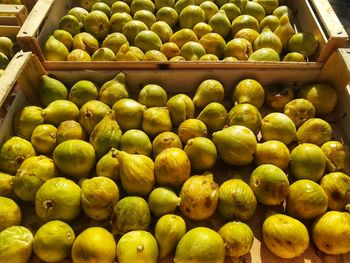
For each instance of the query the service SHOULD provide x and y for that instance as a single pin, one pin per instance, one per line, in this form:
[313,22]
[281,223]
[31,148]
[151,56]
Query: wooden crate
[315,16]
[13,15]
[19,86]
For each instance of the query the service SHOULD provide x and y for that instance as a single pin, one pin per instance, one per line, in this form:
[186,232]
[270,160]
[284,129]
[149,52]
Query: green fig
[245,114]
[136,173]
[199,196]
[182,36]
[103,54]
[272,152]
[201,152]
[269,184]
[79,55]
[53,241]
[338,156]
[51,89]
[154,55]
[244,21]
[108,165]
[26,119]
[153,95]
[304,43]
[6,184]
[103,7]
[165,140]
[264,54]
[192,51]
[13,152]
[4,61]
[10,212]
[172,167]
[97,23]
[200,244]
[105,135]
[147,40]
[129,113]
[284,31]
[236,145]
[114,41]
[190,16]
[94,244]
[114,90]
[168,231]
[55,50]
[236,200]
[70,24]
[82,92]
[137,246]
[59,111]
[80,13]
[75,158]
[181,4]
[6,46]
[249,91]
[299,110]
[220,23]
[238,238]
[163,201]
[91,113]
[58,198]
[316,131]
[168,15]
[268,39]
[130,213]
[136,142]
[132,28]
[213,116]
[16,244]
[156,120]
[254,9]
[239,48]
[270,21]
[69,130]
[32,173]
[163,30]
[210,9]
[209,90]
[98,197]
[191,128]
[231,9]
[43,138]
[119,7]
[117,22]
[180,107]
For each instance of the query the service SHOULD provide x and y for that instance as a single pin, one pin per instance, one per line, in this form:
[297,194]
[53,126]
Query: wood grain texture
[342,10]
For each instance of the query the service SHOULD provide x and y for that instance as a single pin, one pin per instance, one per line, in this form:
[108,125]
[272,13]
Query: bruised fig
[209,90]
[293,242]
[191,128]
[98,197]
[316,131]
[136,142]
[153,95]
[338,156]
[113,90]
[236,145]
[26,120]
[69,130]
[337,188]
[299,110]
[105,135]
[199,196]
[82,92]
[201,152]
[11,214]
[156,120]
[43,138]
[213,116]
[97,24]
[129,114]
[245,114]
[238,238]
[236,200]
[59,111]
[172,167]
[180,108]
[13,152]
[58,198]
[32,173]
[269,184]
[163,201]
[75,158]
[108,165]
[169,230]
[165,140]
[239,48]
[86,42]
[136,173]
[91,113]
[277,96]
[130,213]
[137,245]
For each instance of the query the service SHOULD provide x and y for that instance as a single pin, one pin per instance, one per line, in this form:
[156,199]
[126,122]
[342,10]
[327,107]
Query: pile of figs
[99,173]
